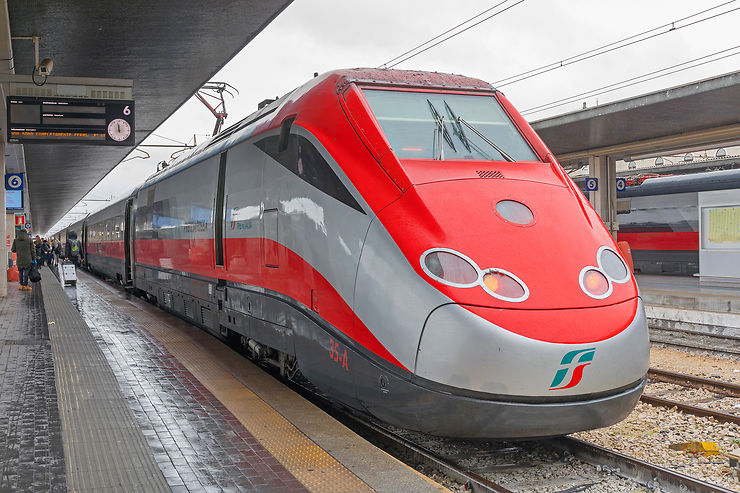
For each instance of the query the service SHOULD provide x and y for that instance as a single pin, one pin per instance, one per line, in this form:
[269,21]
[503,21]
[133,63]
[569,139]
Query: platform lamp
[632,165]
[658,161]
[688,157]
[720,153]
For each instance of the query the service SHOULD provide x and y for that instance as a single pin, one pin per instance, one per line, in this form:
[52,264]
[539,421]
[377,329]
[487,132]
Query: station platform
[684,303]
[101,391]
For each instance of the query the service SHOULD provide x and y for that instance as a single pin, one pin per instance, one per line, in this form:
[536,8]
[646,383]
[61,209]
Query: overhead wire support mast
[219,110]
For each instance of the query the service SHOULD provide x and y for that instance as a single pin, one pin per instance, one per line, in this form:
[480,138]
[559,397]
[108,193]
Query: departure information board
[72,120]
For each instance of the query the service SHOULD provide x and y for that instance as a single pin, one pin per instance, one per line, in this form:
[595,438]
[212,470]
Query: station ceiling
[169,49]
[702,113]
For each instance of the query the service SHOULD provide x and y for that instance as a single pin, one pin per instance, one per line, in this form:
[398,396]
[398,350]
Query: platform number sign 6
[127,110]
[14,181]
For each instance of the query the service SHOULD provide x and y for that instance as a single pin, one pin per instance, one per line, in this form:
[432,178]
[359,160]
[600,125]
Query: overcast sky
[320,35]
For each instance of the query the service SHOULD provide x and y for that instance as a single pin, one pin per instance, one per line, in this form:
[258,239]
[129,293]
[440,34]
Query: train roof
[362,76]
[410,78]
[696,182]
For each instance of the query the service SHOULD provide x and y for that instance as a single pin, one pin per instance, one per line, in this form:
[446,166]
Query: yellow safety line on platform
[310,464]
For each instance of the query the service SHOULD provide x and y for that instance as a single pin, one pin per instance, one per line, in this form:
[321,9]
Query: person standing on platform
[46,249]
[73,249]
[56,247]
[25,252]
[39,254]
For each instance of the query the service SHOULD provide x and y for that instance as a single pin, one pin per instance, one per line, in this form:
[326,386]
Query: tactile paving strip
[31,452]
[104,448]
[314,467]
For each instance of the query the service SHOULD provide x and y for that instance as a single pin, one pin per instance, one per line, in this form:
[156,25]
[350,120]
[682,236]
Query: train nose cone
[463,348]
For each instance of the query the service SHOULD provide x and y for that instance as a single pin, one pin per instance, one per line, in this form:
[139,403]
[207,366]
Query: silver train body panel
[361,261]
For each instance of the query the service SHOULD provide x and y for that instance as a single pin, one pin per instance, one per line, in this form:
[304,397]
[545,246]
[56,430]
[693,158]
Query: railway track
[403,448]
[722,388]
[716,386]
[695,340]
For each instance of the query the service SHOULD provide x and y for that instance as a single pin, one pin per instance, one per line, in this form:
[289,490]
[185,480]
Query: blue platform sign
[14,181]
[592,184]
[621,184]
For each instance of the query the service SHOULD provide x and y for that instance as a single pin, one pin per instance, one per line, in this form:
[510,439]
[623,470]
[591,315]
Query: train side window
[305,161]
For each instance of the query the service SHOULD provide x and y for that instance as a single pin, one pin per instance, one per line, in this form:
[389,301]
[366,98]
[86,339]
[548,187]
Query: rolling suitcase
[67,273]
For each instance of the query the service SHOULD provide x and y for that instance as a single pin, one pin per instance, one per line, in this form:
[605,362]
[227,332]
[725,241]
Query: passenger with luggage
[25,252]
[73,249]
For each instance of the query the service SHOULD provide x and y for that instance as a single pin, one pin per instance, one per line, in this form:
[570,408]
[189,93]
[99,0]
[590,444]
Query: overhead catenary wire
[168,138]
[615,45]
[441,34]
[635,80]
[455,34]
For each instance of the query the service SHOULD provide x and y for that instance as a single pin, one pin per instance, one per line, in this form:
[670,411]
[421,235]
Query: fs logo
[573,362]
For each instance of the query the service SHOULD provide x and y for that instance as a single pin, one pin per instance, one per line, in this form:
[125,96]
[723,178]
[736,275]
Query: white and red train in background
[404,240]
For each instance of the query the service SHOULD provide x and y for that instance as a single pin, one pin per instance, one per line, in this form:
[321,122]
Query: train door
[83,242]
[218,215]
[127,243]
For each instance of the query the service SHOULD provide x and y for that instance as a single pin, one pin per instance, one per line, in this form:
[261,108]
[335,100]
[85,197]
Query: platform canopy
[168,48]
[696,115]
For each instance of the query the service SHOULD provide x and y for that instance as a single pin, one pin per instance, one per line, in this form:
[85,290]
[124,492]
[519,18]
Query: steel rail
[689,409]
[630,468]
[685,341]
[387,440]
[718,387]
[635,469]
[418,454]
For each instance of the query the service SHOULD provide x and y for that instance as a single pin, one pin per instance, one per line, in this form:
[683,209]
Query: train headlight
[595,284]
[613,265]
[514,212]
[504,285]
[450,267]
[455,269]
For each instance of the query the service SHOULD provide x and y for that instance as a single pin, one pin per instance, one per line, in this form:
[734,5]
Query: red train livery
[404,240]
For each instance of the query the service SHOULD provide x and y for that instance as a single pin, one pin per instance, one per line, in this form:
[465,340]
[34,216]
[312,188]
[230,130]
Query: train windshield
[447,126]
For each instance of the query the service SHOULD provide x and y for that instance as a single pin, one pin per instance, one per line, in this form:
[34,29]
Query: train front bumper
[473,378]
[441,413]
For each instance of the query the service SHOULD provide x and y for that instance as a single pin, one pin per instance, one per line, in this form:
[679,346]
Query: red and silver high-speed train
[407,242]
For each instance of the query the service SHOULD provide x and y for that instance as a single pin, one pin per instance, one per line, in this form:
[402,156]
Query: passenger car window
[302,159]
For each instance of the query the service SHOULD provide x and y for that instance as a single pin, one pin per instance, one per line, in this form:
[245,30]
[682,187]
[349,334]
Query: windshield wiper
[485,139]
[440,120]
[457,128]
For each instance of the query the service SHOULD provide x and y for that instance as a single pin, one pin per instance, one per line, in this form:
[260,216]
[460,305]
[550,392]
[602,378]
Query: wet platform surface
[198,444]
[101,391]
[31,453]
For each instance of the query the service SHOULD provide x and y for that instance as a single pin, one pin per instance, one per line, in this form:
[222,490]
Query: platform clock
[119,129]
